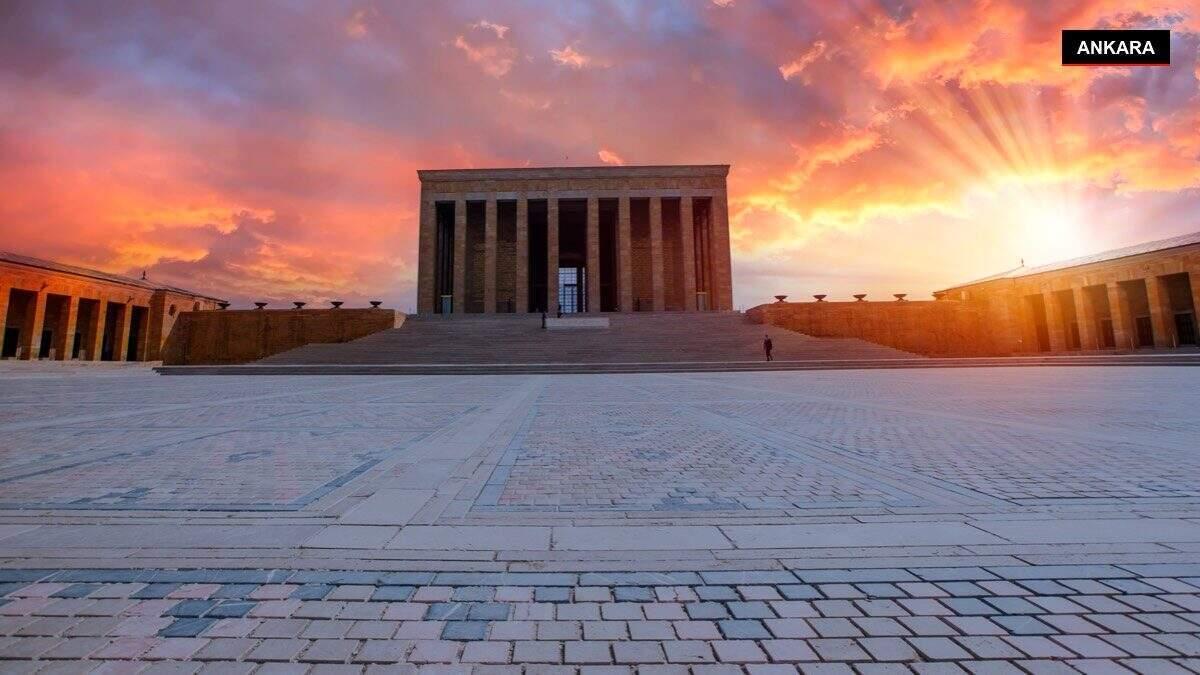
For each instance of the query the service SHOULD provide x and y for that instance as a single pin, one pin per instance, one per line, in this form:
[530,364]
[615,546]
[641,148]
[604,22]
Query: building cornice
[574,172]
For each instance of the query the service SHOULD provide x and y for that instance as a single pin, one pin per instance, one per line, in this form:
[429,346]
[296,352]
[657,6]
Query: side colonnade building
[54,311]
[574,239]
[1138,297]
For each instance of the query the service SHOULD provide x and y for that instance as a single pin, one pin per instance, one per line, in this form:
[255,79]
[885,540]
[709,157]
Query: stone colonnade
[621,270]
[65,316]
[1147,301]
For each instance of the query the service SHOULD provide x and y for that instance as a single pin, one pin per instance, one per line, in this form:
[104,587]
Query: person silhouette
[767,346]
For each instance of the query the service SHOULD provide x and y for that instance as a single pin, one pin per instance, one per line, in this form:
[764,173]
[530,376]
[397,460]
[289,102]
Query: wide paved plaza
[990,520]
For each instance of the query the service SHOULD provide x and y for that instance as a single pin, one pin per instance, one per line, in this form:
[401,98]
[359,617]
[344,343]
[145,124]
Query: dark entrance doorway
[1178,289]
[112,317]
[11,335]
[1036,305]
[136,330]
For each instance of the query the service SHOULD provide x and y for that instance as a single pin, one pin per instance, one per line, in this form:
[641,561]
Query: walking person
[768,346]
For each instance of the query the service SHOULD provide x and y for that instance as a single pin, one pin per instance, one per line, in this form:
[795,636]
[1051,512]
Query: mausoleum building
[574,239]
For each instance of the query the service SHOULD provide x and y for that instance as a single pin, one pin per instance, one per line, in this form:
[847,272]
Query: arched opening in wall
[195,307]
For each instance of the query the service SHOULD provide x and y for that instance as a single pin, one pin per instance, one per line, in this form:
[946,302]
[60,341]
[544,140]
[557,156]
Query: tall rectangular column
[551,255]
[722,273]
[31,327]
[593,254]
[1161,315]
[427,258]
[1122,324]
[64,341]
[489,256]
[1085,316]
[121,336]
[522,281]
[689,253]
[460,256]
[657,284]
[95,339]
[624,254]
[6,293]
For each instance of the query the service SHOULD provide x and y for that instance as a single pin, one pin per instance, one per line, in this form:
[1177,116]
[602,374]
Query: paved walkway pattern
[939,521]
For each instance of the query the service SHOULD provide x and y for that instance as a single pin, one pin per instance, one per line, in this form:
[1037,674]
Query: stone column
[427,258]
[5,293]
[31,326]
[1161,315]
[460,256]
[64,342]
[593,254]
[657,284]
[522,285]
[1086,316]
[489,256]
[1123,336]
[94,342]
[121,337]
[722,272]
[687,247]
[1054,322]
[552,255]
[624,254]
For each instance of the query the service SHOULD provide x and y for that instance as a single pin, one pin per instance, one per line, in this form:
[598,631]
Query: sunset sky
[268,150]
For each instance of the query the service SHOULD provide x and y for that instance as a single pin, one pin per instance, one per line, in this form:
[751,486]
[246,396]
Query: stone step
[679,367]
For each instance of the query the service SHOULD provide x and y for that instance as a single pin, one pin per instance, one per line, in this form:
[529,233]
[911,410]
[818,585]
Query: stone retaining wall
[932,328]
[241,336]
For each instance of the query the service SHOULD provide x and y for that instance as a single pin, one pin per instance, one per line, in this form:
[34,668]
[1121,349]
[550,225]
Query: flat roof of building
[548,172]
[1104,256]
[52,266]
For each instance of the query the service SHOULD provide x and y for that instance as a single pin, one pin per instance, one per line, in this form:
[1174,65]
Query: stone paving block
[633,538]
[889,649]
[485,652]
[743,629]
[638,652]
[579,652]
[1038,647]
[988,647]
[650,630]
[471,538]
[224,649]
[537,652]
[835,628]
[837,649]
[465,630]
[435,651]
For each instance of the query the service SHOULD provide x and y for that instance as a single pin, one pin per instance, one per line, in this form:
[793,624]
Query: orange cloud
[610,157]
[797,65]
[495,57]
[570,57]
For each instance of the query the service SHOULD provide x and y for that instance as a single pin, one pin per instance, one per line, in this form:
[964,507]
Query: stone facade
[1140,297]
[62,312]
[1143,296]
[648,238]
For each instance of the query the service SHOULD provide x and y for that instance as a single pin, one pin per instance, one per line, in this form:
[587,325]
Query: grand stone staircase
[517,343]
